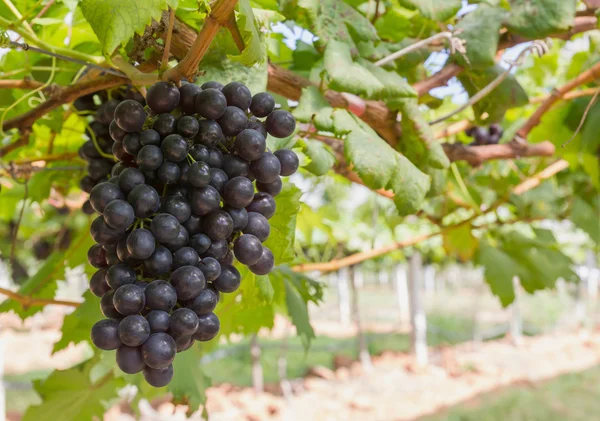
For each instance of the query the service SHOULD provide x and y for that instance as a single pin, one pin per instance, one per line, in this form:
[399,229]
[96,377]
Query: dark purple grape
[169,172]
[204,303]
[87,184]
[165,227]
[97,256]
[178,206]
[118,214]
[237,95]
[185,256]
[119,275]
[107,307]
[238,192]
[288,160]
[211,84]
[159,263]
[258,226]
[174,148]
[117,169]
[199,174]
[205,200]
[188,126]
[187,97]
[144,200]
[159,350]
[129,299]
[193,224]
[266,169]
[119,152]
[87,208]
[184,343]
[158,320]
[200,153]
[150,137]
[217,250]
[182,239]
[228,259]
[208,327]
[200,242]
[116,133]
[129,178]
[131,143]
[149,158]
[215,158]
[130,116]
[248,249]
[234,166]
[124,255]
[265,263]
[256,124]
[183,322]
[103,234]
[262,203]
[250,144]
[164,125]
[188,281]
[134,330]
[273,188]
[280,123]
[104,193]
[209,133]
[233,121]
[229,279]
[99,168]
[162,97]
[160,377]
[98,284]
[262,104]
[210,103]
[218,179]
[210,267]
[218,225]
[141,244]
[105,335]
[239,216]
[129,359]
[160,295]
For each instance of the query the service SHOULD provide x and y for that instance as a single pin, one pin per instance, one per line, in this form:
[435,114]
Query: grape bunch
[485,136]
[163,259]
[98,133]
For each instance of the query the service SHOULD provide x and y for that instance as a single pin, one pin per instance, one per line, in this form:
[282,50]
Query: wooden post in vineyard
[401,286]
[363,346]
[343,295]
[418,319]
[257,370]
[516,322]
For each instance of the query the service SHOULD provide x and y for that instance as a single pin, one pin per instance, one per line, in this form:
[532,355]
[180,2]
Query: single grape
[210,103]
[178,206]
[107,307]
[250,144]
[193,224]
[184,177]
[159,350]
[158,320]
[280,123]
[103,234]
[98,284]
[229,279]
[117,169]
[134,330]
[183,322]
[273,188]
[150,137]
[87,184]
[217,250]
[184,343]
[112,258]
[129,299]
[208,327]
[262,203]
[132,144]
[218,225]
[185,256]
[209,133]
[159,263]
[99,168]
[168,172]
[187,97]
[210,267]
[266,169]
[130,116]
[238,192]
[124,255]
[239,217]
[119,275]
[164,125]
[149,158]
[182,239]
[247,249]
[200,153]
[116,133]
[140,244]
[174,148]
[188,281]
[162,97]
[200,242]
[204,200]
[199,174]
[88,151]
[118,214]
[106,112]
[188,126]
[218,179]
[129,178]
[129,359]
[104,193]
[228,259]
[97,256]
[165,227]
[262,104]
[265,263]
[145,200]
[237,95]
[234,166]
[204,303]
[105,335]
[119,152]
[160,377]
[256,124]
[257,226]
[212,85]
[288,160]
[160,295]
[233,121]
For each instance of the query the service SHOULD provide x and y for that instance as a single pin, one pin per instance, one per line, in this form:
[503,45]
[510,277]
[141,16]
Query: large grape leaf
[254,51]
[70,395]
[540,18]
[321,157]
[78,325]
[394,86]
[434,9]
[460,242]
[189,381]
[500,269]
[283,224]
[490,109]
[311,102]
[115,21]
[585,216]
[481,31]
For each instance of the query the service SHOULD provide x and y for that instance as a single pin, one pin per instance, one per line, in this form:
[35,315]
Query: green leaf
[77,325]
[434,9]
[500,269]
[283,224]
[265,288]
[394,85]
[509,94]
[311,102]
[585,216]
[70,395]
[189,381]
[254,51]
[321,156]
[460,242]
[347,76]
[379,165]
[481,31]
[540,18]
[115,21]
[298,312]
